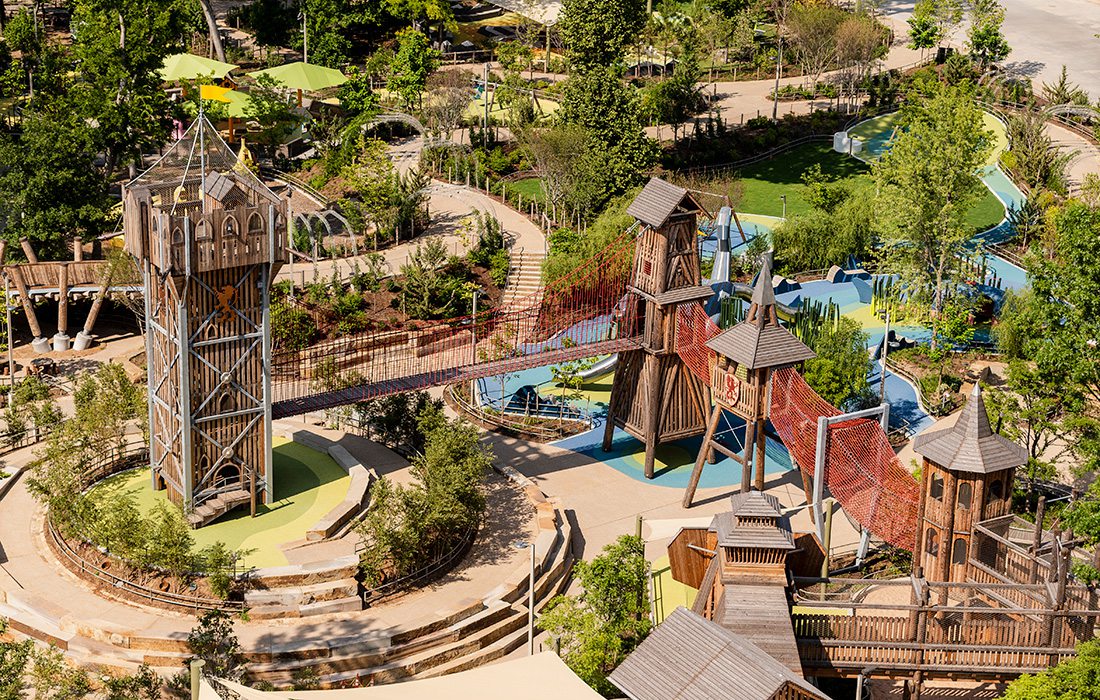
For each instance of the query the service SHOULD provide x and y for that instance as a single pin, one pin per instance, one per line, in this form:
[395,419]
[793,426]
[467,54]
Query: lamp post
[7,321]
[784,198]
[778,68]
[885,346]
[529,546]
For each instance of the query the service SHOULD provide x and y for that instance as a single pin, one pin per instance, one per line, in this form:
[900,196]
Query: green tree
[414,61]
[270,106]
[839,372]
[327,26]
[214,641]
[1076,678]
[811,29]
[54,679]
[1064,92]
[600,627]
[14,657]
[924,32]
[597,32]
[985,41]
[928,182]
[105,401]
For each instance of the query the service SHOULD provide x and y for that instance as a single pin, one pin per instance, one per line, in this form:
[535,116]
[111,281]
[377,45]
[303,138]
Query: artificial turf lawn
[762,184]
[530,188]
[308,484]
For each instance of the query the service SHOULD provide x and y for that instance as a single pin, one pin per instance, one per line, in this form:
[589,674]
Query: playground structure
[204,231]
[995,601]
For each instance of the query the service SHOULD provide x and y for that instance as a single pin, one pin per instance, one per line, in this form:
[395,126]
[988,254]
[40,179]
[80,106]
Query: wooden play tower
[740,380]
[655,397]
[208,236]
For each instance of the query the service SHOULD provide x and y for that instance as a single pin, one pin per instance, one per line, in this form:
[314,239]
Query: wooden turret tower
[209,238]
[740,380]
[966,477]
[655,397]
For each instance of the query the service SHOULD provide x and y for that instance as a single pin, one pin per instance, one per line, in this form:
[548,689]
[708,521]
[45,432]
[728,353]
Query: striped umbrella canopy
[188,66]
[304,76]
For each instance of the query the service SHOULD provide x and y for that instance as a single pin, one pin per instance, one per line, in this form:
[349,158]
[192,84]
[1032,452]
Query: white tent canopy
[540,677]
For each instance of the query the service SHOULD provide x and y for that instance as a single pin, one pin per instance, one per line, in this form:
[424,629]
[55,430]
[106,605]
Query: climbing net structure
[861,470]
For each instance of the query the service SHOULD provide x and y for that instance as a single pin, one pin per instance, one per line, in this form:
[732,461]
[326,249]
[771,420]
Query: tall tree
[928,182]
[985,41]
[597,32]
[414,61]
[212,29]
[924,31]
[811,31]
[1076,678]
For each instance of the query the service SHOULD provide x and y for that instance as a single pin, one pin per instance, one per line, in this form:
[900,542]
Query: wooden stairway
[217,506]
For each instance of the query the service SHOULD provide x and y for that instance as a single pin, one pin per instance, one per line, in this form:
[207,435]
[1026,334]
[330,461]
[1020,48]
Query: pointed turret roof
[970,445]
[764,294]
[759,340]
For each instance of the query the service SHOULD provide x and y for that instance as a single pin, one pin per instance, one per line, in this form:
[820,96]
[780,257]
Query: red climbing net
[861,470]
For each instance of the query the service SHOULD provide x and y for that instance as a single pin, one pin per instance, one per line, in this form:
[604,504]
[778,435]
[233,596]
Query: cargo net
[176,176]
[861,470]
[693,329]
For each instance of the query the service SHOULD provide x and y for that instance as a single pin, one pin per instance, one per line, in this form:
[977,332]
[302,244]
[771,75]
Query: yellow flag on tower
[214,92]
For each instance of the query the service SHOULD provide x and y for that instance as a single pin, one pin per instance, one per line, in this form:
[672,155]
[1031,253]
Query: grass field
[764,182]
[308,484]
[530,188]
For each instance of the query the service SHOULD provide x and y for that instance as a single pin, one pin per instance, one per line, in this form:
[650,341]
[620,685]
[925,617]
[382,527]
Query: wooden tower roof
[659,200]
[754,505]
[687,656]
[970,445]
[759,341]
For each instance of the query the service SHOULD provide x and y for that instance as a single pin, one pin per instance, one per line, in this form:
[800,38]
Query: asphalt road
[1044,35]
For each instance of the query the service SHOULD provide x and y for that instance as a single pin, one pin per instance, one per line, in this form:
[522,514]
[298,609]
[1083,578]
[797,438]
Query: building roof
[970,445]
[754,504]
[218,186]
[754,347]
[683,294]
[540,677]
[688,657]
[658,200]
[759,341]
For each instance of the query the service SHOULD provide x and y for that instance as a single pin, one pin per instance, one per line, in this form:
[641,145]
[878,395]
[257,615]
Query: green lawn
[530,188]
[763,183]
[308,484]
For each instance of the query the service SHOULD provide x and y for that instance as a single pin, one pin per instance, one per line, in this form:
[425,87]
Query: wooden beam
[28,250]
[704,450]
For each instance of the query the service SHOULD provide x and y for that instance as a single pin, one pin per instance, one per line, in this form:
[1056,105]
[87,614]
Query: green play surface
[308,484]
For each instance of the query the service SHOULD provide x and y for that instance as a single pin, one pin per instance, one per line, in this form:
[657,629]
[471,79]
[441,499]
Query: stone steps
[486,633]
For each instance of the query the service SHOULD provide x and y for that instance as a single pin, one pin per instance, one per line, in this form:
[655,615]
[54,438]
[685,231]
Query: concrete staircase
[484,631]
[217,506]
[524,278]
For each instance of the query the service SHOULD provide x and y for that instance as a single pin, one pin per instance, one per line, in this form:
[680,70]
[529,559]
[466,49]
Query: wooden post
[1037,538]
[83,338]
[39,343]
[746,457]
[78,250]
[697,471]
[761,444]
[28,250]
[61,339]
[653,410]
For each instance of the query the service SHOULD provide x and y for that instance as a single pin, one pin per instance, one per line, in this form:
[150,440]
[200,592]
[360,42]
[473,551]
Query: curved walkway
[35,589]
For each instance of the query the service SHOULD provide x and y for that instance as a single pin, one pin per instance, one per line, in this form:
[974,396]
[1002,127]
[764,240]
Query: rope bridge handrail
[584,313]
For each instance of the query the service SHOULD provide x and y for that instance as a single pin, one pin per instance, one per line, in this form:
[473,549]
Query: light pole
[885,346]
[305,40]
[7,321]
[784,198]
[473,355]
[530,546]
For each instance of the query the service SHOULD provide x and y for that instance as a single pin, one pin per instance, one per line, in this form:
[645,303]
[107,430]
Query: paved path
[1044,35]
[1085,161]
[31,579]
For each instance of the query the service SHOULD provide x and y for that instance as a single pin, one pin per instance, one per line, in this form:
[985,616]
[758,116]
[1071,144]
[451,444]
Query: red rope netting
[693,329]
[861,469]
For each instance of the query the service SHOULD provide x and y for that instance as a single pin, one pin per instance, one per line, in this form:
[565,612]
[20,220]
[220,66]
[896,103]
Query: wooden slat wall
[689,566]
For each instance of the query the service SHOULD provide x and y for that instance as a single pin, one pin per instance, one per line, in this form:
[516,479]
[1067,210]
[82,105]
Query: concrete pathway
[1086,159]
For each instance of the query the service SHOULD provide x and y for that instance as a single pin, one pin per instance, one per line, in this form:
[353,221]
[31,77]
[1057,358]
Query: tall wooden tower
[966,477]
[655,397]
[740,376]
[209,237]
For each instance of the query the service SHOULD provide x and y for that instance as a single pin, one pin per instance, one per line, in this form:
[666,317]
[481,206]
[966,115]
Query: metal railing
[439,565]
[504,421]
[296,182]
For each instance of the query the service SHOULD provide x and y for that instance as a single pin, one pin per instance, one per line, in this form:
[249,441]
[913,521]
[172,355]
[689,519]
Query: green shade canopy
[238,103]
[304,76]
[188,66]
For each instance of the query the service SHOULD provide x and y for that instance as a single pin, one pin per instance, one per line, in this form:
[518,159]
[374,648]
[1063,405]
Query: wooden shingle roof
[754,347]
[658,200]
[754,504]
[970,445]
[761,342]
[688,657]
